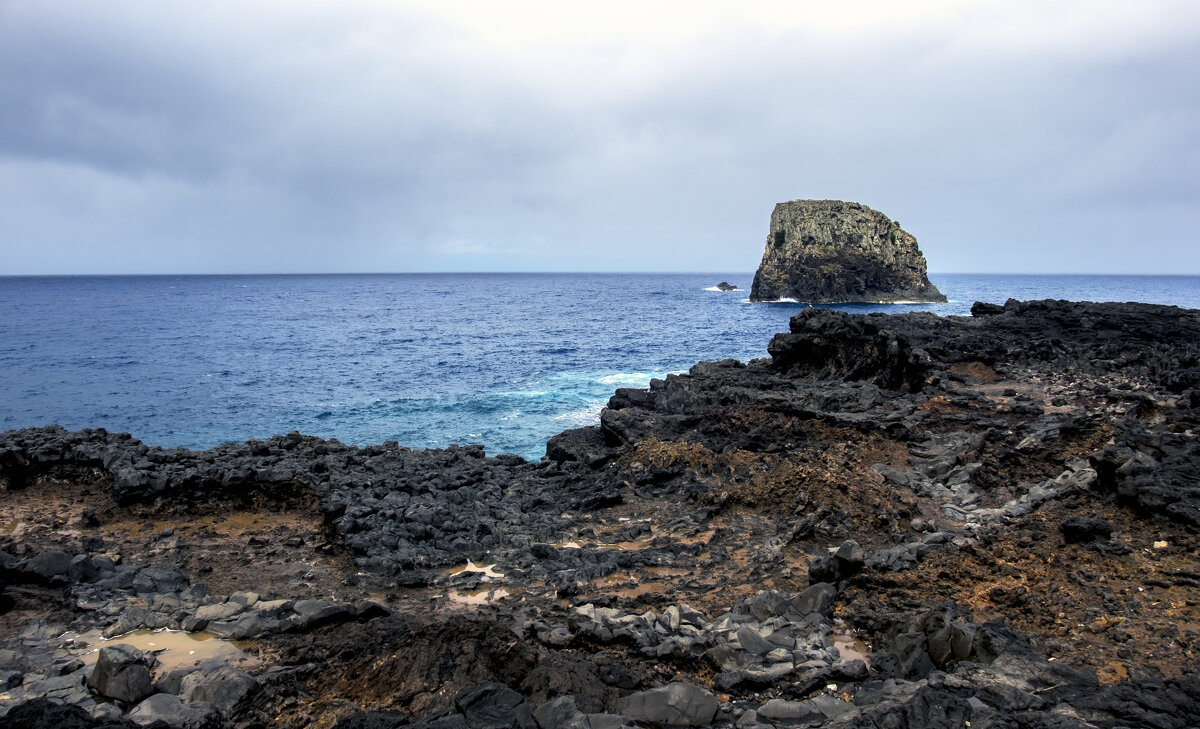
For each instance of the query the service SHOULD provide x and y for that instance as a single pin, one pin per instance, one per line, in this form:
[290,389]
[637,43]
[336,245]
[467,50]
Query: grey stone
[122,672]
[106,712]
[245,599]
[82,569]
[817,599]
[791,712]
[491,705]
[820,708]
[219,611]
[670,619]
[753,642]
[49,564]
[224,689]
[11,659]
[606,721]
[676,704]
[273,608]
[68,689]
[160,578]
[560,713]
[10,679]
[316,612]
[170,682]
[170,709]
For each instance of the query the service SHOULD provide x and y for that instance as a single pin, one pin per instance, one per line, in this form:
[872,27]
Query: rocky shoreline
[892,521]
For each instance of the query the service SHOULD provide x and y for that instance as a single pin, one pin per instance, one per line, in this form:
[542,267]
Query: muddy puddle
[478,597]
[851,647]
[172,648]
[471,567]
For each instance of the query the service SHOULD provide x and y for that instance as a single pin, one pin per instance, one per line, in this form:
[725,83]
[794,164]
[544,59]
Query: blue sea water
[506,360]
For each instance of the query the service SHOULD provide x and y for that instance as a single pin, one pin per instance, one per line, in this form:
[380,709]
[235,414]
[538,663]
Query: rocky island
[892,521]
[830,251]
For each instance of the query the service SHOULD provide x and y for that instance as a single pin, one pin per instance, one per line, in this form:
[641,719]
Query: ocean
[506,360]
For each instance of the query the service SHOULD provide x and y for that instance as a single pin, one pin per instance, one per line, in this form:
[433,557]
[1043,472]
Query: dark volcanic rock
[1079,529]
[915,464]
[674,705]
[833,251]
[122,672]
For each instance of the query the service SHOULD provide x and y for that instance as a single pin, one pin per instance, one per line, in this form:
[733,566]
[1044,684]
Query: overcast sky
[348,135]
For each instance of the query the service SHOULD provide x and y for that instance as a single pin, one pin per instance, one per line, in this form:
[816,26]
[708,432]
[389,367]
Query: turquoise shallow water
[506,360]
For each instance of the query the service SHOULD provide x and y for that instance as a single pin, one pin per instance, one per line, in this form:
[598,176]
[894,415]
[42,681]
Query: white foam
[627,378]
[586,415]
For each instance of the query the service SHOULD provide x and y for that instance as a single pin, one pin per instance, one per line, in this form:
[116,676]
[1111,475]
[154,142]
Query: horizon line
[539,273]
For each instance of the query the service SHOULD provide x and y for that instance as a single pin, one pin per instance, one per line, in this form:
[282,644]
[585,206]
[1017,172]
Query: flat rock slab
[675,705]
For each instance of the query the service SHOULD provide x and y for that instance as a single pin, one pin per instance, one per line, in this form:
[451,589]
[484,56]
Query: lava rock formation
[822,251]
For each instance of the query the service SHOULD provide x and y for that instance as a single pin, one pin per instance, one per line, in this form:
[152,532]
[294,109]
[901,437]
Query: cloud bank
[314,135]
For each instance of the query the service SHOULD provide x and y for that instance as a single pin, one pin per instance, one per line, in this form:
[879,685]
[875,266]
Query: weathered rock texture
[907,521]
[833,251]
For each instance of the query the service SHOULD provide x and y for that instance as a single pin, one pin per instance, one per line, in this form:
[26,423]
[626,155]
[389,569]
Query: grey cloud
[349,138]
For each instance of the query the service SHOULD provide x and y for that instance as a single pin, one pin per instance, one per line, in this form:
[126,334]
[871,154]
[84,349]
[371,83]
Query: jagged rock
[173,711]
[49,565]
[833,251]
[491,705]
[676,704]
[48,714]
[1079,529]
[560,713]
[122,672]
[223,689]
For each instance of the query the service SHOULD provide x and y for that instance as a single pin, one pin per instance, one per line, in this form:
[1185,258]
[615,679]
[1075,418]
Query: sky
[1008,136]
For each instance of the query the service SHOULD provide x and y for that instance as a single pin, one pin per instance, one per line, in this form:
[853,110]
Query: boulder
[122,672]
[49,565]
[223,689]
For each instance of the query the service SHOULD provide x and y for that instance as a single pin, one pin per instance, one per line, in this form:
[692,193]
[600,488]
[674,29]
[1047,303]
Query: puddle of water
[851,647]
[479,597]
[172,648]
[485,570]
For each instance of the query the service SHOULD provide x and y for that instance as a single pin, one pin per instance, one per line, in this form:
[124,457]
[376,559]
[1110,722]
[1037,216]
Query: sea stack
[828,251]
